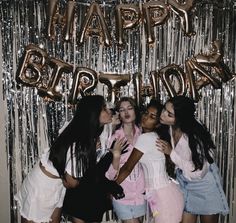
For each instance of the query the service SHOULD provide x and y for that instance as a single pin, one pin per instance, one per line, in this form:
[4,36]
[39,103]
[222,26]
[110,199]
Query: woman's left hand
[119,146]
[163,146]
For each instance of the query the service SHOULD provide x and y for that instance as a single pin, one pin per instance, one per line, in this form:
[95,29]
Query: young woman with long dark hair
[64,164]
[191,150]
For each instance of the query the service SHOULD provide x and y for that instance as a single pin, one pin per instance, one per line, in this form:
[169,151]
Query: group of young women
[135,171]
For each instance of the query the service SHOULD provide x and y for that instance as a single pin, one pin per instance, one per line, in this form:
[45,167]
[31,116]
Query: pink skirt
[166,204]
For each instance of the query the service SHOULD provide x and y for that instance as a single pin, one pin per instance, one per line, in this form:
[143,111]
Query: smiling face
[127,112]
[149,119]
[168,114]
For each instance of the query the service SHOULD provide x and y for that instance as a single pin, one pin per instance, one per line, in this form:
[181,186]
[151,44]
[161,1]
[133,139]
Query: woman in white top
[163,195]
[41,195]
[191,151]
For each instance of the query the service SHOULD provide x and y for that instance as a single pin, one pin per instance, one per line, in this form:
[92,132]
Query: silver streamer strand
[31,123]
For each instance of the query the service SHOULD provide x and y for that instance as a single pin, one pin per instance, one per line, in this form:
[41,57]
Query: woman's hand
[69,181]
[119,146]
[98,144]
[163,146]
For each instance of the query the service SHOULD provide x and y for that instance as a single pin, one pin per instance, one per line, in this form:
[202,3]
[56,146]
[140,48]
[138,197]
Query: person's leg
[77,220]
[209,218]
[24,220]
[56,216]
[133,220]
[141,219]
[189,218]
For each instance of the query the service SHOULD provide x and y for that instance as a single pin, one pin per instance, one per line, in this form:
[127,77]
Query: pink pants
[166,204]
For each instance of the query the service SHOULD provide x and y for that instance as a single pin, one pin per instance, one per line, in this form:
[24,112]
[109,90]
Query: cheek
[153,124]
[143,121]
[163,118]
[122,116]
[167,121]
[133,115]
[105,117]
[109,116]
[162,115]
[149,124]
[101,118]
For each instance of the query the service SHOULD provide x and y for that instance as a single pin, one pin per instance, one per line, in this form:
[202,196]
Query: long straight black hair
[200,141]
[81,135]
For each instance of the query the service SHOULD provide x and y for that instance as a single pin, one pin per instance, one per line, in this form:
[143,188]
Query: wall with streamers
[131,48]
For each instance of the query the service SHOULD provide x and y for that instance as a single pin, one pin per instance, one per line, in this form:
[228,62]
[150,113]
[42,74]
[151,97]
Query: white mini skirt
[39,195]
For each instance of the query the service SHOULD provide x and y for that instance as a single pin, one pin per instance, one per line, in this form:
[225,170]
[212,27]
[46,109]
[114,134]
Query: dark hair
[155,103]
[113,111]
[163,133]
[133,104]
[200,141]
[81,133]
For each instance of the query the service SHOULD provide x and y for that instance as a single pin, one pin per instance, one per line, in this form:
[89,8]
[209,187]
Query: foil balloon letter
[155,13]
[192,82]
[31,65]
[66,20]
[52,90]
[193,67]
[154,79]
[179,82]
[215,60]
[91,28]
[183,10]
[203,72]
[198,63]
[84,81]
[127,16]
[113,82]
[137,82]
[51,16]
[214,57]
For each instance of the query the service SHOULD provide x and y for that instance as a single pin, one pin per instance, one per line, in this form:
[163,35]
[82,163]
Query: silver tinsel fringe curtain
[32,123]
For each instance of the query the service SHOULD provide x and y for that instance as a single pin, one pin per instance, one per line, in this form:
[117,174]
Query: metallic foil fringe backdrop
[31,123]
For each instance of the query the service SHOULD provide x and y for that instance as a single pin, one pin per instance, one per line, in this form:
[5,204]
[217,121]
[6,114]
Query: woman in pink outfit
[132,207]
[162,193]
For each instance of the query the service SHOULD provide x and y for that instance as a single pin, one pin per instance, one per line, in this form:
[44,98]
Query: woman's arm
[118,147]
[187,166]
[126,169]
[117,150]
[69,181]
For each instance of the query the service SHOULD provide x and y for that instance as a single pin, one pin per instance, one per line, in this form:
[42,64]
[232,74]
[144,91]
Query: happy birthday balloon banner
[36,66]
[128,16]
